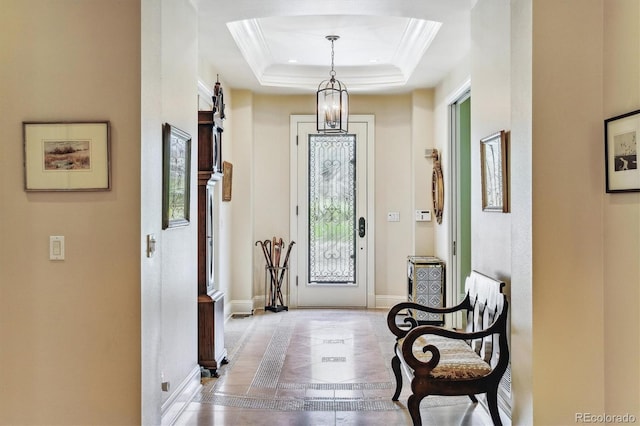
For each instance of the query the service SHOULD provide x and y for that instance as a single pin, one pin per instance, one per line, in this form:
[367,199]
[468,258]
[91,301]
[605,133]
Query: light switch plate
[56,247]
[393,216]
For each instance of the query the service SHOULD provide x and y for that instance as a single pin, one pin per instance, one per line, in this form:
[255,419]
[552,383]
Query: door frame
[293,208]
[455,282]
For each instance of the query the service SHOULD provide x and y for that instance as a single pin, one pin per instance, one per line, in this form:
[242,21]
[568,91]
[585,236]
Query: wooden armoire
[211,350]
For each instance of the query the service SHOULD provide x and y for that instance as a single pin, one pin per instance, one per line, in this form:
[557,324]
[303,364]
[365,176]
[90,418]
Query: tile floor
[313,367]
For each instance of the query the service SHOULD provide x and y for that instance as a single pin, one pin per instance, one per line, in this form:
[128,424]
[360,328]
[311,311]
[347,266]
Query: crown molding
[254,46]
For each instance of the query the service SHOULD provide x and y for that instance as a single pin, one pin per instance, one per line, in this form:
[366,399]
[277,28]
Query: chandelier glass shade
[332,109]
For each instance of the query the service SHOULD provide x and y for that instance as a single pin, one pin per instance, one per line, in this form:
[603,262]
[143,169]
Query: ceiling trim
[414,43]
[253,44]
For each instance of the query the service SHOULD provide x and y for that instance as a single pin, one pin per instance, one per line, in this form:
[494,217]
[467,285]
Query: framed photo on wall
[176,171]
[227,180]
[495,178]
[621,152]
[66,156]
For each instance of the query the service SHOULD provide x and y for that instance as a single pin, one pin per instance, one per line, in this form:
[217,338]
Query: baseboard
[258,302]
[240,307]
[248,306]
[387,301]
[381,302]
[180,399]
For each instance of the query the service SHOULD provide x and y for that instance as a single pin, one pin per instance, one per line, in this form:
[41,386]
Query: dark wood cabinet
[211,350]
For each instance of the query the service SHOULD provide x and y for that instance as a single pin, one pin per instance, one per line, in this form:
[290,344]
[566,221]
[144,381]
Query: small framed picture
[621,152]
[227,180]
[495,178]
[176,159]
[66,156]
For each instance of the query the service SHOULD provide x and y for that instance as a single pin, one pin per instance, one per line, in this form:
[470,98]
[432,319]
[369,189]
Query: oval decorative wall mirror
[437,187]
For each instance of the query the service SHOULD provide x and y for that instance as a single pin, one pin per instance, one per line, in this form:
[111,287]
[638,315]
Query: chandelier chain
[333,72]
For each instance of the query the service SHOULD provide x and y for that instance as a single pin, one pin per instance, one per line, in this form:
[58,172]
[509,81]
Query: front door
[331,226]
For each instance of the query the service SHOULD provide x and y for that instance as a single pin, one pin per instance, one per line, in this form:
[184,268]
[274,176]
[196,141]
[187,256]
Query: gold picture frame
[67,156]
[227,180]
[437,187]
[494,169]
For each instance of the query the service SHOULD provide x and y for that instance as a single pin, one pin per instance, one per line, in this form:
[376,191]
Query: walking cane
[277,248]
[266,250]
[285,265]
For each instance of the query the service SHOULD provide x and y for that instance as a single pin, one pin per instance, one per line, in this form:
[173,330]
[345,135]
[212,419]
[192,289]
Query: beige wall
[567,210]
[70,330]
[169,278]
[423,127]
[151,272]
[521,206]
[621,218]
[584,243]
[242,222]
[177,257]
[490,113]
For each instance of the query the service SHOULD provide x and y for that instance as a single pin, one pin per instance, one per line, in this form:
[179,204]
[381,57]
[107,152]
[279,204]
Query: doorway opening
[332,214]
[460,211]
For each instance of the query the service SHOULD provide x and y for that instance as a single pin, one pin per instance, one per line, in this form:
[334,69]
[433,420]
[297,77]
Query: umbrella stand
[274,287]
[276,275]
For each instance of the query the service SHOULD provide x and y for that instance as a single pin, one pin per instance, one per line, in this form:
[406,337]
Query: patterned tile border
[301,404]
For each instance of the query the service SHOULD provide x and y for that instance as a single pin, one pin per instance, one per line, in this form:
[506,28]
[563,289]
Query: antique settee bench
[441,361]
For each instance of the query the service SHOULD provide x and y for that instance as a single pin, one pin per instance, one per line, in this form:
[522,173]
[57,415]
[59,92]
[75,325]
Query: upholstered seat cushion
[457,359]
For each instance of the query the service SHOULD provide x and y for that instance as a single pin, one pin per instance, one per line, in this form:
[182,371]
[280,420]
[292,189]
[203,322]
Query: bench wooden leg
[395,365]
[414,409]
[492,401]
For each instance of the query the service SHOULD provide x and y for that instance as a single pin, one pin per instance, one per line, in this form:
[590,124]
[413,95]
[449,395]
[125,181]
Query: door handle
[362,228]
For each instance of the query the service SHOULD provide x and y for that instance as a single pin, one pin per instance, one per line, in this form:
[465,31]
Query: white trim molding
[181,397]
[388,301]
[242,307]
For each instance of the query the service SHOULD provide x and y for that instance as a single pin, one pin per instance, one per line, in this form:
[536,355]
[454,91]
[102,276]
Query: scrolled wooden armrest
[413,334]
[451,334]
[395,310]
[410,358]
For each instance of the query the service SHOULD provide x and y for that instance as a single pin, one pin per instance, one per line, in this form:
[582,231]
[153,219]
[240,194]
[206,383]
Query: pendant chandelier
[332,113]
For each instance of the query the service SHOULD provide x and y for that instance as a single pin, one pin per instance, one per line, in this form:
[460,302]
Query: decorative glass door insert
[332,209]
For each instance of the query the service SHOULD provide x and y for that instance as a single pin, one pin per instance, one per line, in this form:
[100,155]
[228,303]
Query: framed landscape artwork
[495,178]
[176,173]
[66,156]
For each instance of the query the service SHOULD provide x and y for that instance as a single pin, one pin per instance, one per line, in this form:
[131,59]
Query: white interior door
[331,224]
